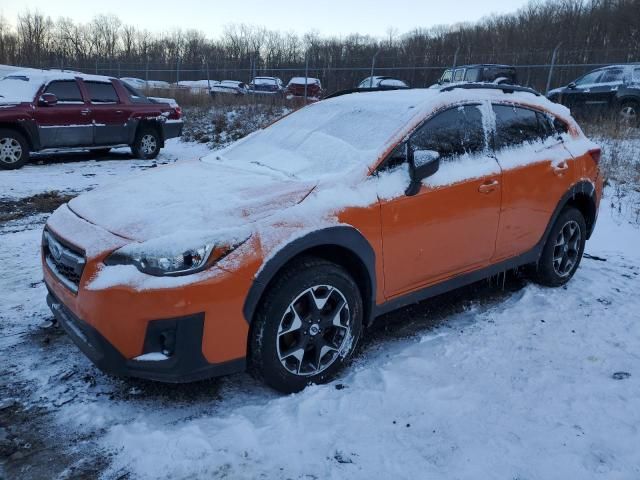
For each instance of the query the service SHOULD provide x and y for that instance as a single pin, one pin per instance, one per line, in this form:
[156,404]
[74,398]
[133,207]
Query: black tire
[629,112]
[14,149]
[295,287]
[563,251]
[147,143]
[101,152]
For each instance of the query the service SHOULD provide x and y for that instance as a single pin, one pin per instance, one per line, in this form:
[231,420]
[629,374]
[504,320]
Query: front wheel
[14,150]
[307,326]
[564,248]
[147,144]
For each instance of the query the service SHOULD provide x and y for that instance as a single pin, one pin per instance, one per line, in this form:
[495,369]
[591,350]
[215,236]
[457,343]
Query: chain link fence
[540,69]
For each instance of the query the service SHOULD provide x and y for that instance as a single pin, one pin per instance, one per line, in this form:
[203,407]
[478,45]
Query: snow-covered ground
[74,172]
[488,382]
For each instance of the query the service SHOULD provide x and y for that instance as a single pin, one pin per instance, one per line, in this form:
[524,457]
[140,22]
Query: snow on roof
[356,129]
[23,85]
[301,80]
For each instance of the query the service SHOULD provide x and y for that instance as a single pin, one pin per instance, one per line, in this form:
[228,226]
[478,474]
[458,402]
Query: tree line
[587,32]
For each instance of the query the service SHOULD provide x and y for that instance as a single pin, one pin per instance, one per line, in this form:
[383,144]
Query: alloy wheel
[629,113]
[314,331]
[566,251]
[10,150]
[148,144]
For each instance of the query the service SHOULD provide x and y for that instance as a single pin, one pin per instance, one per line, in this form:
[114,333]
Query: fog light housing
[161,337]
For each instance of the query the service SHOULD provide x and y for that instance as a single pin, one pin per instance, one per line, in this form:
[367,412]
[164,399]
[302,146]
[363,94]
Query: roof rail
[339,93]
[491,86]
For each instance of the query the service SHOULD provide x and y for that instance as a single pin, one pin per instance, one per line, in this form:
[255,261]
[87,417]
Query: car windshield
[18,88]
[446,76]
[328,138]
[264,81]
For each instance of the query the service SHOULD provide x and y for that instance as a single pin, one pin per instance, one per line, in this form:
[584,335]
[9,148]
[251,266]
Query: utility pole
[373,66]
[553,62]
[455,61]
[306,75]
[208,77]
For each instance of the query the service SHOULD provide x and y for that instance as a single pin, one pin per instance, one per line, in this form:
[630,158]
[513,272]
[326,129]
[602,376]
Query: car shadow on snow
[405,323]
[72,156]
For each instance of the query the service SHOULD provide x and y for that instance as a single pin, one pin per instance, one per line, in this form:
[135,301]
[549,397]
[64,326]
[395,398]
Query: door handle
[561,168]
[489,186]
[118,111]
[86,111]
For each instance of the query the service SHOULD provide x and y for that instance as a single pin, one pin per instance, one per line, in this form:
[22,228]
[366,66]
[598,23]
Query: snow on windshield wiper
[283,172]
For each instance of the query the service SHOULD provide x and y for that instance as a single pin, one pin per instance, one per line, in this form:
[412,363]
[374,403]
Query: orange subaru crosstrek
[273,254]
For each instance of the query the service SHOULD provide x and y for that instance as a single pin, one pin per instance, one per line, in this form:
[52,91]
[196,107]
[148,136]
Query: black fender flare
[583,187]
[342,236]
[28,128]
[135,124]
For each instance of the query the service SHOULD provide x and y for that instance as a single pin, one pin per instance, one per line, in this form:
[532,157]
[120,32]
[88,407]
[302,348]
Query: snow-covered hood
[188,199]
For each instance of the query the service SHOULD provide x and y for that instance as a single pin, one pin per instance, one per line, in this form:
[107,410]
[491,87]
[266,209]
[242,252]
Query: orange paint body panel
[445,231]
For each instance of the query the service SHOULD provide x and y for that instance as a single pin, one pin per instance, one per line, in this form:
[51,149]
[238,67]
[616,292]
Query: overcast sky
[328,17]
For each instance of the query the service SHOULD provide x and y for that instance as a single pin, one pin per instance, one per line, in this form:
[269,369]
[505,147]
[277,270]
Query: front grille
[64,261]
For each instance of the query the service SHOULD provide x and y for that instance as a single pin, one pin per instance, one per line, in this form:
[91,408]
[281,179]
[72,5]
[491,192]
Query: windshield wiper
[283,172]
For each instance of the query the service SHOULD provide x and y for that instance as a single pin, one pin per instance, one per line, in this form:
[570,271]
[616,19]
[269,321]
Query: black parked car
[485,73]
[613,89]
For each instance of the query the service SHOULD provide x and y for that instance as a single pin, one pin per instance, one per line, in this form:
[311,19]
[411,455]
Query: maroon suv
[47,109]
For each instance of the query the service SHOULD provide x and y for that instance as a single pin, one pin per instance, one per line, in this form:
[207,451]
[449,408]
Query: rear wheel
[629,112]
[564,248]
[307,326]
[147,144]
[14,150]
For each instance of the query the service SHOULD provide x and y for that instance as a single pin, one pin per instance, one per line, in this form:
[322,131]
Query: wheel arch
[343,245]
[27,130]
[582,196]
[143,123]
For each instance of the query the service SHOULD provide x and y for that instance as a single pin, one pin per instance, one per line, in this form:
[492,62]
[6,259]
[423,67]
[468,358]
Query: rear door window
[67,91]
[516,126]
[100,92]
[472,75]
[612,75]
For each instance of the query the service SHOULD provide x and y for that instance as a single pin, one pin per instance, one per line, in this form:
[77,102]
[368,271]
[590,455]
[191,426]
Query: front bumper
[116,324]
[172,129]
[186,363]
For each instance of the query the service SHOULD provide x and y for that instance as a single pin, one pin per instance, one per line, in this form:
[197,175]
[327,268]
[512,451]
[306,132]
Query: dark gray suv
[610,90]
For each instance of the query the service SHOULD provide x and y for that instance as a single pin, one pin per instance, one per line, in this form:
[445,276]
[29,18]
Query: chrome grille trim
[65,263]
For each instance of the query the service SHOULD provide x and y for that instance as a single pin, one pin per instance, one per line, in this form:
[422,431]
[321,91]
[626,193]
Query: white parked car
[136,83]
[196,86]
[159,84]
[382,82]
[229,87]
[266,85]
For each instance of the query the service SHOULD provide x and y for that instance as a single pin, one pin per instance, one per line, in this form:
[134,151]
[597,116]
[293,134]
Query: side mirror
[422,164]
[48,100]
[572,85]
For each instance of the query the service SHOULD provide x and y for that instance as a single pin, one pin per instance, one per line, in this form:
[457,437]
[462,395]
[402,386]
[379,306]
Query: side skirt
[531,256]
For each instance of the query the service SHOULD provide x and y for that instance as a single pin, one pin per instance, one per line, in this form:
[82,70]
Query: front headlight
[168,263]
